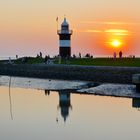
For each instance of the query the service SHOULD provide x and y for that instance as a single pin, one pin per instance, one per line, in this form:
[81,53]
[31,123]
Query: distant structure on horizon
[64,39]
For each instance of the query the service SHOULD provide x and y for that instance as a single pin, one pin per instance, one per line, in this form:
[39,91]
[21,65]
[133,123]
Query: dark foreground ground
[96,74]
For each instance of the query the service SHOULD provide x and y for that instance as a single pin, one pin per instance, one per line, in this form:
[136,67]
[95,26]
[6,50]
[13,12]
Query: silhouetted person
[79,55]
[10,62]
[87,55]
[46,59]
[120,54]
[114,55]
[74,56]
[48,56]
[16,56]
[40,54]
[37,56]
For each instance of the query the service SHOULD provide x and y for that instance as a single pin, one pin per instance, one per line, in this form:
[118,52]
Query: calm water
[30,114]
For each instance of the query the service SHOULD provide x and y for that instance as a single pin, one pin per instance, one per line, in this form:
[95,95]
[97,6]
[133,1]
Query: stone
[136,81]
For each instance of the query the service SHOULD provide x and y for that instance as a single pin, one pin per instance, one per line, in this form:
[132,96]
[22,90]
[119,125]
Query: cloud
[93,31]
[115,32]
[118,32]
[109,23]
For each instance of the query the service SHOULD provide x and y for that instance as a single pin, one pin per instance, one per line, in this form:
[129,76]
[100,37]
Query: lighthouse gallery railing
[64,31]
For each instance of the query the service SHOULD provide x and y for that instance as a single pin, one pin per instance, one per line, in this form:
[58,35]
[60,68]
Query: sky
[29,26]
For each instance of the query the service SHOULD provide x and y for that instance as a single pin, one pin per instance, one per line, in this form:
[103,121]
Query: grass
[30,60]
[130,62]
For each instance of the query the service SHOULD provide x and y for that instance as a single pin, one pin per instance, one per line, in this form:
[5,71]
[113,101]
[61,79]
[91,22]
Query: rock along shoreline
[99,74]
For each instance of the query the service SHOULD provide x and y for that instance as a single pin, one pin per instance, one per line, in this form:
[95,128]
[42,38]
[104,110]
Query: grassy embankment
[30,60]
[130,62]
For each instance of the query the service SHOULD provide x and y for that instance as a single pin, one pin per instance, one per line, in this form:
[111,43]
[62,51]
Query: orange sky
[28,27]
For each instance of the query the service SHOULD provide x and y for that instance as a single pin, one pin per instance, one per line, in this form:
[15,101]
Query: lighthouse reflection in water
[64,103]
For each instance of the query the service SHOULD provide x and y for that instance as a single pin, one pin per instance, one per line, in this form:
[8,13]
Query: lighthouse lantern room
[65,39]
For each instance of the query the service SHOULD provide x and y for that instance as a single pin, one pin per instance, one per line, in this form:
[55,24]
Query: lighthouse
[65,39]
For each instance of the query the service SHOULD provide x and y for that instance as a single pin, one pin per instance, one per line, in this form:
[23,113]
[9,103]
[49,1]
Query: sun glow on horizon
[116,43]
[117,38]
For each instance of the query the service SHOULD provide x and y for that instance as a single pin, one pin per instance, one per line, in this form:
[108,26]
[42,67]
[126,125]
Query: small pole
[57,23]
[10,100]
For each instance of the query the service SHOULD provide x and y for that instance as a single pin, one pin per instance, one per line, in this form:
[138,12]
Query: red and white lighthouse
[65,39]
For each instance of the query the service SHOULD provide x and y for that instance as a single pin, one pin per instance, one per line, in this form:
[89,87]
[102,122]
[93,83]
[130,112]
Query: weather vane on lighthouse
[64,39]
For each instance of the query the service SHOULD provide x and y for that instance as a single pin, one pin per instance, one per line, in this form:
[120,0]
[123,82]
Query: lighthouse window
[65,28]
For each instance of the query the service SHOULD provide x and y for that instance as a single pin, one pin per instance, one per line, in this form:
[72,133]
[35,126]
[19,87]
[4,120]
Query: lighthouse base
[65,52]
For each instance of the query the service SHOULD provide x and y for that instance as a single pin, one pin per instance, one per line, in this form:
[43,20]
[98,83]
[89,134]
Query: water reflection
[47,92]
[64,103]
[37,113]
[10,99]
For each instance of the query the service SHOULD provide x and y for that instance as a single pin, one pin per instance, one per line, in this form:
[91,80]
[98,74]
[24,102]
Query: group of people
[39,55]
[120,55]
[46,59]
[88,55]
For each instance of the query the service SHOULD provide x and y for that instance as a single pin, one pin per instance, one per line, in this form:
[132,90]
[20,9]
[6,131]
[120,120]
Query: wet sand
[78,87]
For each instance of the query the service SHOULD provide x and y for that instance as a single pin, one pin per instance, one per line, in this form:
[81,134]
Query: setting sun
[116,43]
